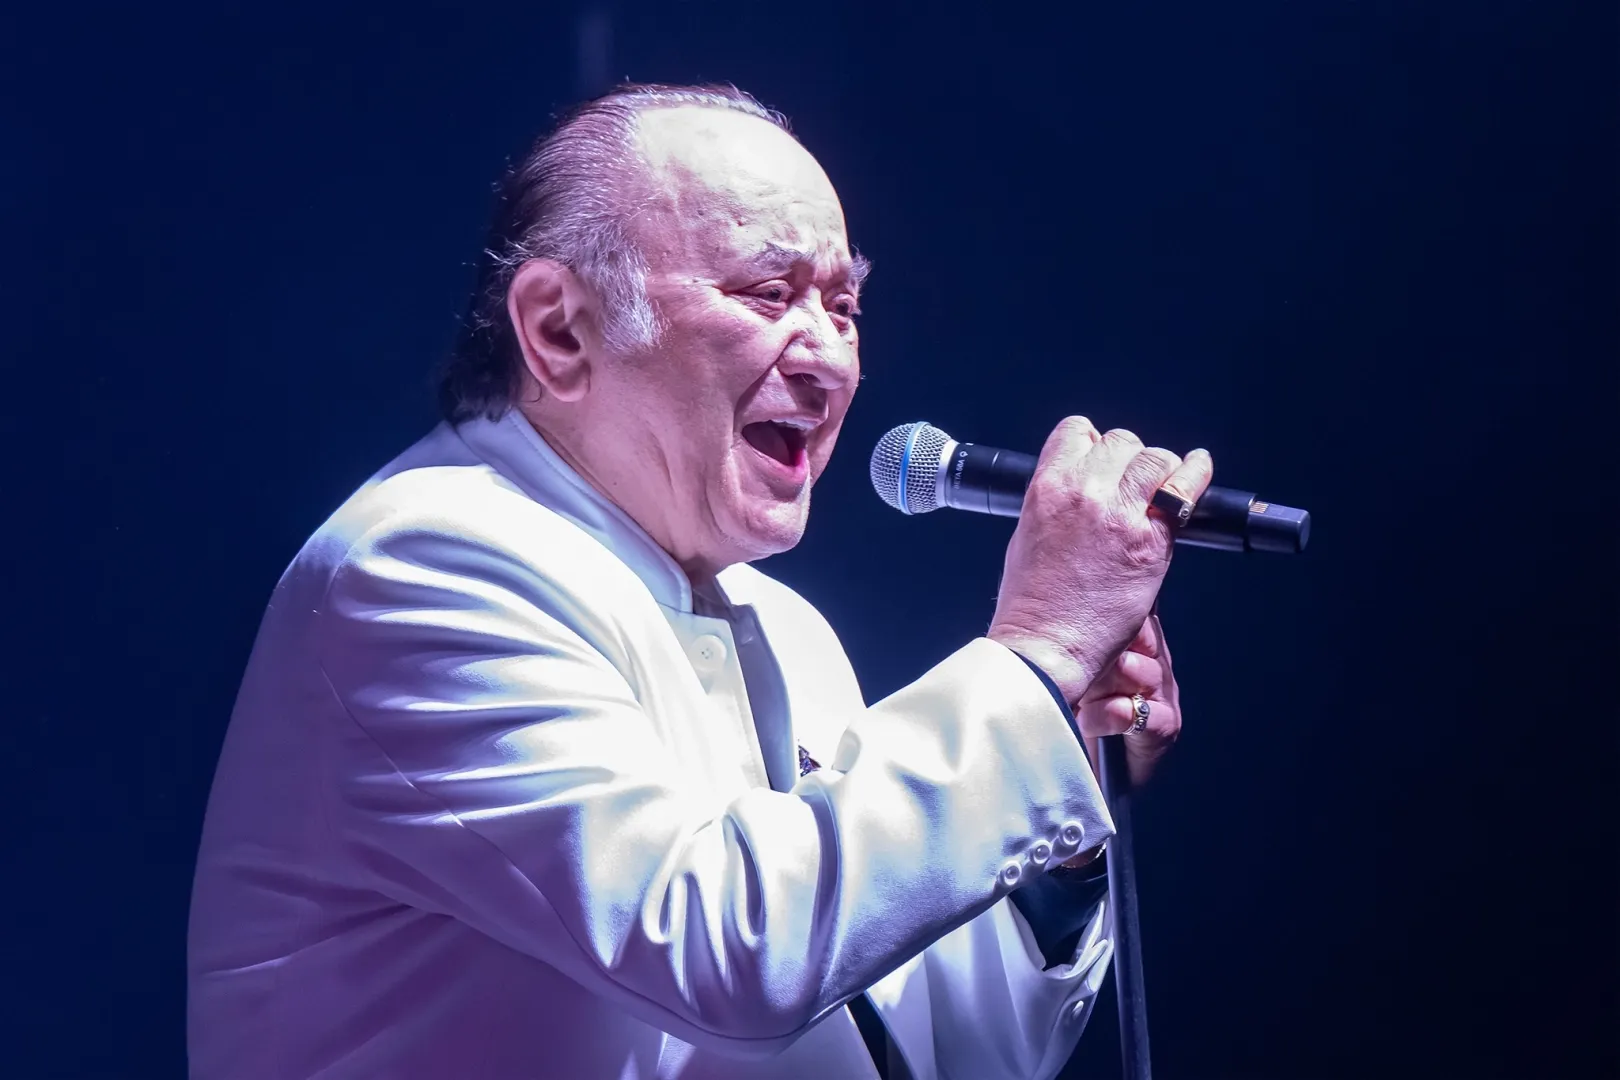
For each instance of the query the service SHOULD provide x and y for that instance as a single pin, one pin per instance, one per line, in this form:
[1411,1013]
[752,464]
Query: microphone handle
[990,480]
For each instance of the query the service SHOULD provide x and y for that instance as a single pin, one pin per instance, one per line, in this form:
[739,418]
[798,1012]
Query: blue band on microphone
[905,467]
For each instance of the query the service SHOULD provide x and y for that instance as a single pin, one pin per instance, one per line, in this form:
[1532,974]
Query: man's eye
[774,293]
[846,307]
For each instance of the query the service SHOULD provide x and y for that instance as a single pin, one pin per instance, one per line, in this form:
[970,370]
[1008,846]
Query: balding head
[710,177]
[571,199]
[714,159]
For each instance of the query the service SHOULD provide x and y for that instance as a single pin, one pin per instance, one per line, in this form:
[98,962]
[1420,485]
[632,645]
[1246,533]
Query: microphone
[917,468]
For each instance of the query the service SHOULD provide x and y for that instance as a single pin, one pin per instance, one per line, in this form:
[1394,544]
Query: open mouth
[782,443]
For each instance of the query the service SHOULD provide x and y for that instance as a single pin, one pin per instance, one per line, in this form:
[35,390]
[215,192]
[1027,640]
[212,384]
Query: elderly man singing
[533,775]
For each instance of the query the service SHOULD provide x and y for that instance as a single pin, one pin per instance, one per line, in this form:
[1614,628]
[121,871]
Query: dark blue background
[1365,252]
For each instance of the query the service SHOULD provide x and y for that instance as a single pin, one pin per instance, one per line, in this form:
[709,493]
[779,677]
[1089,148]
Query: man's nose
[820,355]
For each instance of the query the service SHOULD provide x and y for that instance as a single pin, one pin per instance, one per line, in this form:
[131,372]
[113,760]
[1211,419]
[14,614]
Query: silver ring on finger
[1140,710]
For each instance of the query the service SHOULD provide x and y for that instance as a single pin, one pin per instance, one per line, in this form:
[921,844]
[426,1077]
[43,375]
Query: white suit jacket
[492,805]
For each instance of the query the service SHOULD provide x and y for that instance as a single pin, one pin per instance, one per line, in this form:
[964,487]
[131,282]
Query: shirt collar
[519,453]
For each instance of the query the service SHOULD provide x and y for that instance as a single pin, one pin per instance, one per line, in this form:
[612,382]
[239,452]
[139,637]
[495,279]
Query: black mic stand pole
[1133,1029]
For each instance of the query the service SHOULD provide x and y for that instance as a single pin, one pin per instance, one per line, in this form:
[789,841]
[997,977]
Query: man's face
[717,432]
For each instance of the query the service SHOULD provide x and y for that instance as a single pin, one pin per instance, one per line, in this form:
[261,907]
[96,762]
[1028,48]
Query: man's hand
[1106,707]
[1085,563]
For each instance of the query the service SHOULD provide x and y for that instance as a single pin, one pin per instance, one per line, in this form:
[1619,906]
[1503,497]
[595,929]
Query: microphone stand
[1133,1029]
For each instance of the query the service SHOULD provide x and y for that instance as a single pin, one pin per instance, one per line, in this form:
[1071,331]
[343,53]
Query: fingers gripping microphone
[917,468]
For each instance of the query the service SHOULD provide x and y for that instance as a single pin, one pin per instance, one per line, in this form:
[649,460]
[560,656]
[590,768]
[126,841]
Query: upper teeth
[796,422]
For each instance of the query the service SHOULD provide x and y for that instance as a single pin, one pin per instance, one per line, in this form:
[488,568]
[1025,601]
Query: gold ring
[1140,709]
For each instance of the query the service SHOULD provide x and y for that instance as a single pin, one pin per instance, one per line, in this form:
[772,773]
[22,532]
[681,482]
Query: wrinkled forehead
[721,185]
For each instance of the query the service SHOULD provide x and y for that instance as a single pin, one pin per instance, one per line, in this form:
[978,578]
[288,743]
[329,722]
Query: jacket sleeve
[996,1015]
[502,772]
[1009,993]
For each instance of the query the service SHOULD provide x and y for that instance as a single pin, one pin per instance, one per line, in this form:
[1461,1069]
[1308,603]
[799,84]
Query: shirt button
[1010,874]
[708,654]
[1072,834]
[1040,852]
[1077,1011]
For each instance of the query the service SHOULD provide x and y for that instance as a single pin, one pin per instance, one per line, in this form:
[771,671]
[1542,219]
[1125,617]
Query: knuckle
[1075,430]
[1054,506]
[1142,557]
[1166,460]
[1153,463]
[1050,479]
[1145,550]
[1122,436]
[1045,492]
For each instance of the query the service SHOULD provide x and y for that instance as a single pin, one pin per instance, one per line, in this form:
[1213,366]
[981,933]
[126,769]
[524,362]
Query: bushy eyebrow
[777,260]
[859,267]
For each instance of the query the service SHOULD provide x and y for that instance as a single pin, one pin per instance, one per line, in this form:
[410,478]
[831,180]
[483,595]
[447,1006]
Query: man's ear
[554,320]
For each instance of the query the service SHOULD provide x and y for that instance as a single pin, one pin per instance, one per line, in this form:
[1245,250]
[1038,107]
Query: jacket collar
[518,452]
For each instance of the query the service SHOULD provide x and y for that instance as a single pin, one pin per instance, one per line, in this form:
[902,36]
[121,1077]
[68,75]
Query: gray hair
[567,201]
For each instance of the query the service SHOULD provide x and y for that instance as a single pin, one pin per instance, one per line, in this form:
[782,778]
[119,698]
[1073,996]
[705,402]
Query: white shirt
[493,804]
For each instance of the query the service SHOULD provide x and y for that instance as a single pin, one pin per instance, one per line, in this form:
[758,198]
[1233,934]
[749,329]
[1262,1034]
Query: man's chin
[771,530]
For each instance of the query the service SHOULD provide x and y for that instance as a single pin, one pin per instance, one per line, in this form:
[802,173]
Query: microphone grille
[905,467]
